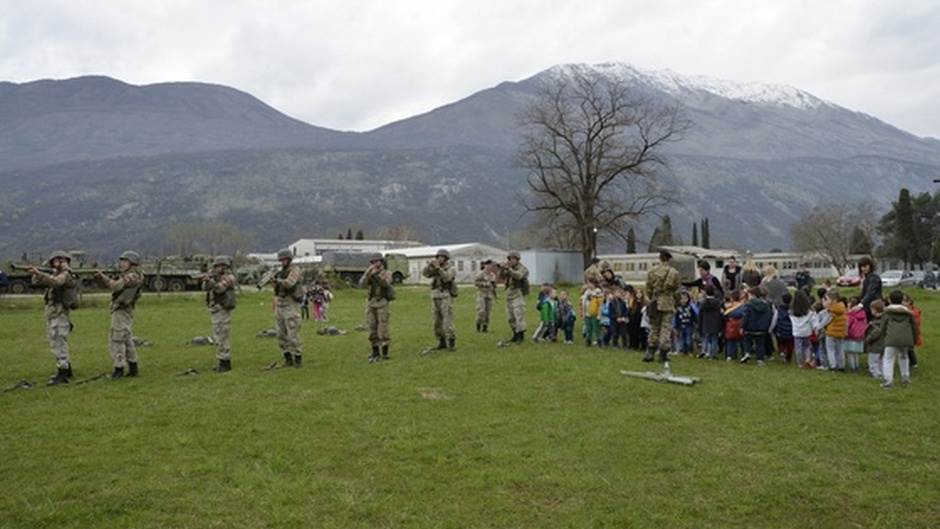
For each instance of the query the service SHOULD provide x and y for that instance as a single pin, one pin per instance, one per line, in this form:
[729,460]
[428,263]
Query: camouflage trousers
[661,330]
[377,315]
[287,315]
[484,308]
[442,309]
[221,328]
[515,310]
[58,328]
[121,346]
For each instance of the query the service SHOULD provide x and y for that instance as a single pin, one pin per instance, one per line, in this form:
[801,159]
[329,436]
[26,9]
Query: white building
[311,247]
[553,266]
[465,257]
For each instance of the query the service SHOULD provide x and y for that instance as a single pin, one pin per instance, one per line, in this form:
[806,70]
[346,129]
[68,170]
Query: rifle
[267,278]
[43,269]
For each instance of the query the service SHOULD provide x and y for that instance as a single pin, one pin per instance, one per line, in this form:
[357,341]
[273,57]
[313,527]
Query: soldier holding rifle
[219,285]
[60,297]
[125,291]
[443,290]
[516,277]
[378,281]
[485,281]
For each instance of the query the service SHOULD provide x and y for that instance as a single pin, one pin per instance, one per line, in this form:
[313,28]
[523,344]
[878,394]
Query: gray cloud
[359,64]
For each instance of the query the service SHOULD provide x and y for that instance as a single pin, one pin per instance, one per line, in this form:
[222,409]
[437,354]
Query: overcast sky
[359,64]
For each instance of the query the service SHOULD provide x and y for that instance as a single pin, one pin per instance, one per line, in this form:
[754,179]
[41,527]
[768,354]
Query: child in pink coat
[855,337]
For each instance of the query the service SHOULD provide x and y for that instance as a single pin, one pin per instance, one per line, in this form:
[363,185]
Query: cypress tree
[695,234]
[905,235]
[631,241]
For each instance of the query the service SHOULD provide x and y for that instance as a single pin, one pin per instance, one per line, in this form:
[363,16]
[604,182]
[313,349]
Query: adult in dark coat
[706,278]
[871,283]
[731,276]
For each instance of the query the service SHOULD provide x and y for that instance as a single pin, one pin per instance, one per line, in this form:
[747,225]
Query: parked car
[849,279]
[918,276]
[897,279]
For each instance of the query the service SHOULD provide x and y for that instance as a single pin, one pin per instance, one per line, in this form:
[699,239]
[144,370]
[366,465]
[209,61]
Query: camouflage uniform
[515,276]
[288,294]
[377,313]
[58,325]
[442,305]
[486,294]
[124,294]
[662,285]
[220,298]
[592,274]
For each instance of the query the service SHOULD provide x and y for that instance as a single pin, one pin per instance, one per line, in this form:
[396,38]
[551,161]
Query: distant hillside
[86,118]
[120,163]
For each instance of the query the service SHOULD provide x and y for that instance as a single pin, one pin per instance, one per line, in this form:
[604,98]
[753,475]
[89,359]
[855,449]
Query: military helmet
[375,257]
[131,257]
[284,253]
[443,253]
[59,254]
[222,260]
[514,254]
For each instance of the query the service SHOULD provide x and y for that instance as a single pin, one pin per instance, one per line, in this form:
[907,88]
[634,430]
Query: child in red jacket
[855,336]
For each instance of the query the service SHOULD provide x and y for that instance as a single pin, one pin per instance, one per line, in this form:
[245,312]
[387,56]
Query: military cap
[665,255]
[514,254]
[222,260]
[131,257]
[443,253]
[59,254]
[375,257]
[284,253]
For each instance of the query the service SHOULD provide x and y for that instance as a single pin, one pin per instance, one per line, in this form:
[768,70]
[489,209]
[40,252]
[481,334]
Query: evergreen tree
[631,241]
[706,233]
[655,240]
[695,234]
[348,234]
[340,236]
[359,235]
[665,236]
[860,243]
[905,236]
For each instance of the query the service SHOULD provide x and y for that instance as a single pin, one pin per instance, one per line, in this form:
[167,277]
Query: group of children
[319,295]
[827,332]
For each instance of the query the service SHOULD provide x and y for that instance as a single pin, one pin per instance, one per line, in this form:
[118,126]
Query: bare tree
[825,230]
[594,150]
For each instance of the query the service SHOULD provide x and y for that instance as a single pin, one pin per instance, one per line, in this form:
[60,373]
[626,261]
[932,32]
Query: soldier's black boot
[385,353]
[441,343]
[484,328]
[224,365]
[298,361]
[374,357]
[664,355]
[519,337]
[117,373]
[132,369]
[68,371]
[452,344]
[479,326]
[648,357]
[288,359]
[61,377]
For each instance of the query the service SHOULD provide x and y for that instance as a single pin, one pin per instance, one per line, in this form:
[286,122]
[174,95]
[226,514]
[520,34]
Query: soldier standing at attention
[60,298]
[443,291]
[125,291]
[662,284]
[485,282]
[220,298]
[288,293]
[517,287]
[379,282]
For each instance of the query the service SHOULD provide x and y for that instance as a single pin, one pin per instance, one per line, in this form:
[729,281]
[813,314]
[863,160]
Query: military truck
[351,265]
[175,273]
[18,280]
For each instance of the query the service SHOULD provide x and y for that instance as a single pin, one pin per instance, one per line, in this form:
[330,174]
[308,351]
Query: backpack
[734,329]
[68,296]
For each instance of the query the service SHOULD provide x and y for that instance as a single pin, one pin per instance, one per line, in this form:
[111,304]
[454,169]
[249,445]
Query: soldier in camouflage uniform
[59,284]
[379,282]
[592,274]
[288,293]
[662,284]
[485,282]
[125,291]
[516,277]
[220,298]
[443,291]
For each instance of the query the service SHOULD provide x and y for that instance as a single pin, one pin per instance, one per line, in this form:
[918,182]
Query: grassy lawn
[532,436]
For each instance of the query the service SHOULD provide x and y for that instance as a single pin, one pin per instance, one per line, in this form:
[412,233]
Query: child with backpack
[899,329]
[566,317]
[802,323]
[594,299]
[605,321]
[759,319]
[835,330]
[548,313]
[874,340]
[855,334]
[783,330]
[734,330]
[710,323]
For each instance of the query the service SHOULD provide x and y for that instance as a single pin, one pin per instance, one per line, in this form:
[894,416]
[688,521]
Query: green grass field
[533,436]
